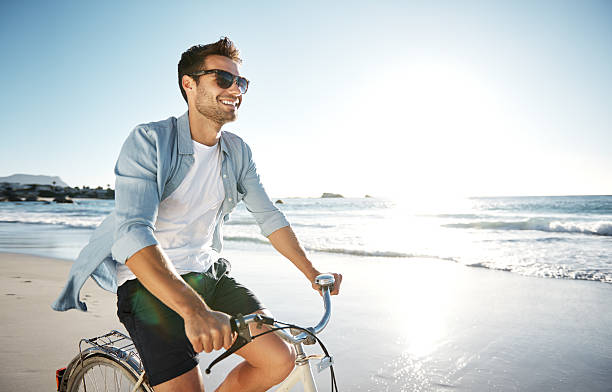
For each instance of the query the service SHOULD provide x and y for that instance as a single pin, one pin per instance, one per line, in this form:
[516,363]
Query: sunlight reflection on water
[419,316]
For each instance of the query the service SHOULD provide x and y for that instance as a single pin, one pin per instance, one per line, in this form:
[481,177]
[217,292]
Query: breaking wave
[76,223]
[549,271]
[343,251]
[540,224]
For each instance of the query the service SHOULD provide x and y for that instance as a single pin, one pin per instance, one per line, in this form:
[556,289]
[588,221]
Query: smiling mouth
[230,102]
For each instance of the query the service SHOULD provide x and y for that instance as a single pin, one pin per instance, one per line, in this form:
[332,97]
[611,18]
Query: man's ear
[188,83]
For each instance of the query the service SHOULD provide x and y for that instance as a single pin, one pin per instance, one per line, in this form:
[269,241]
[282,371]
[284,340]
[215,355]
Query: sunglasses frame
[217,72]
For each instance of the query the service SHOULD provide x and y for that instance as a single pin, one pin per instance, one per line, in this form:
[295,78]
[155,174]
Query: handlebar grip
[325,281]
[241,327]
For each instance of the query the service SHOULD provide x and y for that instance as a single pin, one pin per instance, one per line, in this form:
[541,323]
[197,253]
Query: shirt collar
[185,145]
[184,135]
[223,143]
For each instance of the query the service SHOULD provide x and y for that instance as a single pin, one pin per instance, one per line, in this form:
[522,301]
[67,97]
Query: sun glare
[441,127]
[418,309]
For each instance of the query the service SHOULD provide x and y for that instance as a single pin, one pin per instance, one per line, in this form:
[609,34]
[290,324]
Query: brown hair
[192,59]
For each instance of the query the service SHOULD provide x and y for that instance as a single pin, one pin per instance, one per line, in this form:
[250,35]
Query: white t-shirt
[186,219]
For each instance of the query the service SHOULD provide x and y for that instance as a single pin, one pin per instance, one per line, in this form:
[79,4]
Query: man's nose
[234,88]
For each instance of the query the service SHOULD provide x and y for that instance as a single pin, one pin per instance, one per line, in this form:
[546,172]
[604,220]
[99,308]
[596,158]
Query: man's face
[213,102]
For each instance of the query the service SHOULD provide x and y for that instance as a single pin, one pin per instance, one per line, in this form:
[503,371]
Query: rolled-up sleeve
[137,194]
[268,217]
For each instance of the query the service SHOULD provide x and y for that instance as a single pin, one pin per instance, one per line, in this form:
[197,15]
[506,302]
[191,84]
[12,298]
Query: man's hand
[336,287]
[206,329]
[209,330]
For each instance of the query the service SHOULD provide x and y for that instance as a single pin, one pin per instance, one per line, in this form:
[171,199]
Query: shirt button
[229,199]
[225,176]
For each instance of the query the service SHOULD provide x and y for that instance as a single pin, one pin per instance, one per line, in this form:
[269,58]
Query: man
[176,183]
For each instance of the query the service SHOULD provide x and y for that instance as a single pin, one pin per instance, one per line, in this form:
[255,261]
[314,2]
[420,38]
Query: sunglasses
[226,79]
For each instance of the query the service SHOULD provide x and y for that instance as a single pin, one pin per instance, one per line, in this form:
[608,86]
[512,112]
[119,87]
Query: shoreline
[397,325]
[65,243]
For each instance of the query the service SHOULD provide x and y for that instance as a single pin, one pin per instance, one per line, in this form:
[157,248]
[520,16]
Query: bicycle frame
[301,372]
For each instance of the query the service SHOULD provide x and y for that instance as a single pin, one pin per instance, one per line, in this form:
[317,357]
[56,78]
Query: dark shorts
[159,333]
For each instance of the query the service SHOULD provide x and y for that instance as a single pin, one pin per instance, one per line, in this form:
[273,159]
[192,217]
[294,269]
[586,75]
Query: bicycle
[111,362]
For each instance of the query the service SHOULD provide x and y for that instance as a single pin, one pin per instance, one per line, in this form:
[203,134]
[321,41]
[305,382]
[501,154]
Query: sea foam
[554,225]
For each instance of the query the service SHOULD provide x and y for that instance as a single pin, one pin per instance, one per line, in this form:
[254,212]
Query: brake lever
[239,325]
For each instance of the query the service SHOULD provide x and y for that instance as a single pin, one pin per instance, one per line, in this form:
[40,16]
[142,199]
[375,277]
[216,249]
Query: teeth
[228,102]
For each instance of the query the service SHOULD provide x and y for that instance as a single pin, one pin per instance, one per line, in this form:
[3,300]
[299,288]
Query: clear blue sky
[385,98]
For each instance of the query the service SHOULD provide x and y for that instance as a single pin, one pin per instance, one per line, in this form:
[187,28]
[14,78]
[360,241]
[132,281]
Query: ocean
[566,237]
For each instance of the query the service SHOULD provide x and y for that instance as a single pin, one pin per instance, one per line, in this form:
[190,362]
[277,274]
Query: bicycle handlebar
[240,324]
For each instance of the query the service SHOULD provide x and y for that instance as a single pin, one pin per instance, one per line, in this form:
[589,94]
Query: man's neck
[203,130]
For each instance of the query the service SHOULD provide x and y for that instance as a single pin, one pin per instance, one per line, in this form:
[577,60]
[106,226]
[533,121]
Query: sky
[407,100]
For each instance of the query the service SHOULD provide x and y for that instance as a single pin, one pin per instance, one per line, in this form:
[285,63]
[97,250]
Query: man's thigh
[157,332]
[233,298]
[187,382]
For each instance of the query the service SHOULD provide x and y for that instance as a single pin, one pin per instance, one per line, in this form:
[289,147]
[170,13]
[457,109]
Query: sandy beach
[398,325]
[35,339]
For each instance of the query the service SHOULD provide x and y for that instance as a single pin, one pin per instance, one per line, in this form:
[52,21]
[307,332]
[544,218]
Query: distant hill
[32,179]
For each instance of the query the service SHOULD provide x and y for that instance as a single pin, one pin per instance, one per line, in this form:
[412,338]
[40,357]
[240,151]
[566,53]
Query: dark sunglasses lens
[243,84]
[224,79]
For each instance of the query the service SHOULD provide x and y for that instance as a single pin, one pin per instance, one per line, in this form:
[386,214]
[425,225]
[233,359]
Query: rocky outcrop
[331,195]
[34,179]
[63,199]
[33,192]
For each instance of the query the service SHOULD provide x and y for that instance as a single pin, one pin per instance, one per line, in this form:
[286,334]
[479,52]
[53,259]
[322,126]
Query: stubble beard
[208,107]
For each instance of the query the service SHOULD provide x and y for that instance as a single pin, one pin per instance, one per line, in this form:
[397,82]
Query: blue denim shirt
[153,162]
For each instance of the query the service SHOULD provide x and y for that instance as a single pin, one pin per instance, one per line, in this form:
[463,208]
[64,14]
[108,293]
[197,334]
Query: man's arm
[273,223]
[206,329]
[287,244]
